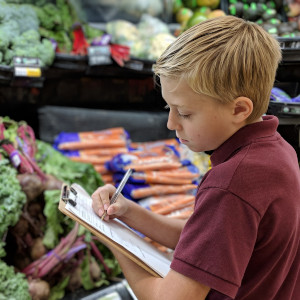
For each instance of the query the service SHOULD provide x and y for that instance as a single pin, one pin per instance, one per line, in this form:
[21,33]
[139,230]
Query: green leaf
[87,281]
[58,291]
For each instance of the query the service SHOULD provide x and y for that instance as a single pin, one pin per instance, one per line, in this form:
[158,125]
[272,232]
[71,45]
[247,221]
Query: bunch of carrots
[160,178]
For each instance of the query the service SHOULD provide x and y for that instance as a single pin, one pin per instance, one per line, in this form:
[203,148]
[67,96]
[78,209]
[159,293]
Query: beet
[38,249]
[75,281]
[31,185]
[39,289]
[52,183]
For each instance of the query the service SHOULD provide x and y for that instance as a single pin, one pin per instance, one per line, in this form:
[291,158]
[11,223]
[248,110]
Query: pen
[118,190]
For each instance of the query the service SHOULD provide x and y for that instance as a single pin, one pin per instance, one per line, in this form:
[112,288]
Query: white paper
[121,234]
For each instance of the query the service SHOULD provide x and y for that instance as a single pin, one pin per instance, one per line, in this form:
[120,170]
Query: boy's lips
[183,141]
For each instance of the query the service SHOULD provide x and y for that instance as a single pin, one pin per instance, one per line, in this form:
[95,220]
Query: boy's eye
[183,116]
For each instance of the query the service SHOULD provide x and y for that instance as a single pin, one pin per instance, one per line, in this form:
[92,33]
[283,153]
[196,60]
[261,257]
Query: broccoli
[28,44]
[46,52]
[8,31]
[8,56]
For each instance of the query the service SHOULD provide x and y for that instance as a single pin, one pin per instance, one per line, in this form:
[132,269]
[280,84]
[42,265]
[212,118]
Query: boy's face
[200,122]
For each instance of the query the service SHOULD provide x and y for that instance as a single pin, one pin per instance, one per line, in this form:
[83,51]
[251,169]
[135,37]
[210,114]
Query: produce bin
[143,126]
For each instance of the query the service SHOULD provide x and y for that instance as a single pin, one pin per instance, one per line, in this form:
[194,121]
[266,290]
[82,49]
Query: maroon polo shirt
[243,237]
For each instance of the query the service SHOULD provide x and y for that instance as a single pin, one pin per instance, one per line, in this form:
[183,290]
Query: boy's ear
[243,108]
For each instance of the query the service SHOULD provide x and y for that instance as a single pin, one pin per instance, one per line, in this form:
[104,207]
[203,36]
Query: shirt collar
[243,137]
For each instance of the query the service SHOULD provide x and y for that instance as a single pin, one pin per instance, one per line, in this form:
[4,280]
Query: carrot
[106,132]
[153,163]
[182,172]
[107,178]
[145,145]
[174,206]
[101,169]
[160,189]
[103,151]
[154,166]
[184,213]
[157,245]
[91,159]
[171,202]
[155,178]
[89,144]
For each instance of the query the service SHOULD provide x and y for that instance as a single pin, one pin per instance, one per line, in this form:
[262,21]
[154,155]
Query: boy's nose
[172,124]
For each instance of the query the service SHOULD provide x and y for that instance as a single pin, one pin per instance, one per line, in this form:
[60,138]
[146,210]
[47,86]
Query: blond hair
[225,58]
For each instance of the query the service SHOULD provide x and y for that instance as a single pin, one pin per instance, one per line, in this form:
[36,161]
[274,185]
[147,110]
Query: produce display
[43,254]
[277,17]
[191,12]
[163,172]
[20,37]
[146,40]
[39,29]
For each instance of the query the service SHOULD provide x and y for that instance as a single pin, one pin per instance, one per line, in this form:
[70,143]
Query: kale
[13,286]
[12,198]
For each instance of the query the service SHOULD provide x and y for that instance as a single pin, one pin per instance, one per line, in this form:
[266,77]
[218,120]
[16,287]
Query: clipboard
[146,255]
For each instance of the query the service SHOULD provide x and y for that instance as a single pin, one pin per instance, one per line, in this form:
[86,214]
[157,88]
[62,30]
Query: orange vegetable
[148,145]
[103,151]
[91,159]
[154,166]
[116,131]
[160,189]
[107,178]
[89,144]
[101,169]
[171,203]
[182,172]
[156,178]
[184,213]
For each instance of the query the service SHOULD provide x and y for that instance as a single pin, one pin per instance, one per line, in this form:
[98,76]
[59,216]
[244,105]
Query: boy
[242,241]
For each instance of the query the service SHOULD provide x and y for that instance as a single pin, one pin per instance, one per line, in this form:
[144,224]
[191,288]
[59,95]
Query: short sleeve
[217,241]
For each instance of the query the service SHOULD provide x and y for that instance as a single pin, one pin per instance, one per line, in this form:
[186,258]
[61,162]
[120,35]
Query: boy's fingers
[101,198]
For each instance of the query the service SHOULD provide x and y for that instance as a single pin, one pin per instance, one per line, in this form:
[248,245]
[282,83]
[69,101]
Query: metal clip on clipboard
[69,195]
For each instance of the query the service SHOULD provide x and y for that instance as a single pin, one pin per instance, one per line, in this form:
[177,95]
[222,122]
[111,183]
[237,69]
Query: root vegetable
[95,269]
[34,209]
[20,261]
[75,280]
[21,228]
[31,184]
[38,249]
[52,183]
[39,289]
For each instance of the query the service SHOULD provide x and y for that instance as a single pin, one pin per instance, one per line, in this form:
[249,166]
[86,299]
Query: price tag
[99,55]
[134,65]
[27,67]
[27,72]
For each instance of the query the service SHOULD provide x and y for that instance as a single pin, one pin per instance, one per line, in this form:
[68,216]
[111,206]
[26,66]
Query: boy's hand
[101,202]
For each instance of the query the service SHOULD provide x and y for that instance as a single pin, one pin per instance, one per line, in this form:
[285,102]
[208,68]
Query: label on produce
[27,67]
[28,72]
[135,65]
[99,55]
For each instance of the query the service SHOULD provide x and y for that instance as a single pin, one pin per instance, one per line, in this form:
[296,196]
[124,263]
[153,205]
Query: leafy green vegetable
[19,36]
[54,163]
[12,198]
[13,286]
[58,291]
[87,281]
